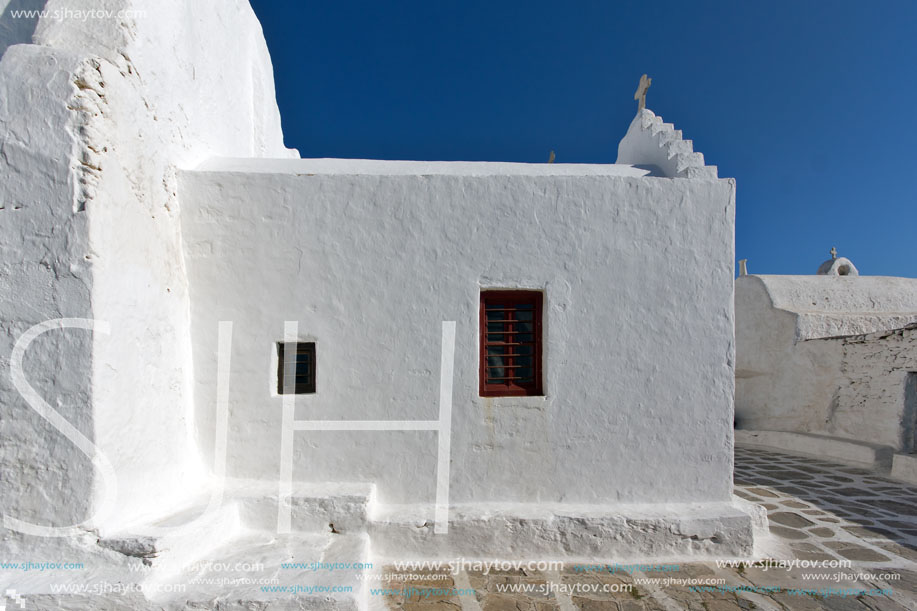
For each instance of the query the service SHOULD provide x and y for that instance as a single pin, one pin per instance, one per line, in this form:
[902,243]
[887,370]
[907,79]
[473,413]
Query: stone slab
[616,532]
[904,467]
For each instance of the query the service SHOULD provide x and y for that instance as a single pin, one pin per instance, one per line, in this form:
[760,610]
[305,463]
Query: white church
[827,364]
[217,349]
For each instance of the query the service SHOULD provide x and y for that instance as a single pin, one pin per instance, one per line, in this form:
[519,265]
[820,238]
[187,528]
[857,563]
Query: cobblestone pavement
[818,511]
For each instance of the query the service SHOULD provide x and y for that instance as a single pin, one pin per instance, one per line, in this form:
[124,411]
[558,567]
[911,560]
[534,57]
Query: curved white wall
[96,118]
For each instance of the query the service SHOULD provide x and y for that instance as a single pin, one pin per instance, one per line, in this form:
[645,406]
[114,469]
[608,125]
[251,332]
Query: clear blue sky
[810,105]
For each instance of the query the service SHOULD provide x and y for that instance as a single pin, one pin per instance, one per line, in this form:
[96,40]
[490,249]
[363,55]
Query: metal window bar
[510,364]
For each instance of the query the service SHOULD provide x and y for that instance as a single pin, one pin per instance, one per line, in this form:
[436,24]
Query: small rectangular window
[510,343]
[295,368]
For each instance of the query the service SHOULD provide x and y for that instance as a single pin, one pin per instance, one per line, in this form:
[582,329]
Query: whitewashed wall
[781,384]
[370,257]
[874,400]
[44,274]
[95,118]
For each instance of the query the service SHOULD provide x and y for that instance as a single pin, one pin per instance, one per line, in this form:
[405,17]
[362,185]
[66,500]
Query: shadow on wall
[654,170]
[17,29]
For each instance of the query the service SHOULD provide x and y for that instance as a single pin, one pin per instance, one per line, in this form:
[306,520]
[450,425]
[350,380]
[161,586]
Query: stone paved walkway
[818,511]
[824,510]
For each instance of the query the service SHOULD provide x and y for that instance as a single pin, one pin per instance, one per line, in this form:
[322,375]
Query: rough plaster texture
[44,275]
[875,399]
[369,265]
[95,118]
[568,531]
[829,355]
[830,306]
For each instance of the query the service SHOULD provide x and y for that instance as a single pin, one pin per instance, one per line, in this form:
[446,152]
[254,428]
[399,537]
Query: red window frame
[505,385]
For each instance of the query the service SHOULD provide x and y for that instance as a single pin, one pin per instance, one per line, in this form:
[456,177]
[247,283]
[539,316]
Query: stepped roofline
[658,147]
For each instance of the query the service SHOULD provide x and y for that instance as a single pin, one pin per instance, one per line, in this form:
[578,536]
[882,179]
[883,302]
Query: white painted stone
[758,513]
[376,167]
[270,551]
[877,396]
[192,587]
[95,118]
[659,148]
[567,531]
[179,539]
[44,275]
[904,467]
[337,506]
[830,306]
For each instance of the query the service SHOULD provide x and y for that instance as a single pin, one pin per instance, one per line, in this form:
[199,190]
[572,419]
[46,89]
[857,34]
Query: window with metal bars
[295,368]
[510,343]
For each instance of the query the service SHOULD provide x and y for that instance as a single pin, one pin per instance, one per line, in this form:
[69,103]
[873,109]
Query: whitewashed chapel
[827,363]
[360,359]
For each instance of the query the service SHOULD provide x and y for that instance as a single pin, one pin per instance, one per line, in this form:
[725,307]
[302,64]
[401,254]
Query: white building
[831,356]
[146,187]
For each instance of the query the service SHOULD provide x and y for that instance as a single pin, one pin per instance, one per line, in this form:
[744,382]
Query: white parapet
[652,144]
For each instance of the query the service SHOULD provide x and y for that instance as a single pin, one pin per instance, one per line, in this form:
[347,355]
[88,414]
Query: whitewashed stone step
[565,531]
[860,453]
[320,508]
[266,571]
[178,538]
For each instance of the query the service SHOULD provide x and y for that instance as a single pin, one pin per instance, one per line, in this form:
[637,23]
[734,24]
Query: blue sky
[810,106]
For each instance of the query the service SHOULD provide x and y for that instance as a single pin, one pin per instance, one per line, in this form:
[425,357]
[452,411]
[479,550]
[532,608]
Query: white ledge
[379,167]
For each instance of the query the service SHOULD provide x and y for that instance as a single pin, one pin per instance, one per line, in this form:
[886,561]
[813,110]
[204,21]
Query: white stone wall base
[328,507]
[588,533]
[572,533]
[904,467]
